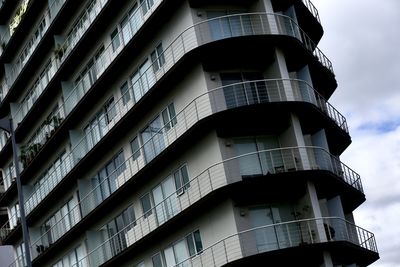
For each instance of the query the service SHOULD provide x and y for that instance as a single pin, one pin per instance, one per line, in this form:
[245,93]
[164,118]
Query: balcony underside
[311,255]
[256,50]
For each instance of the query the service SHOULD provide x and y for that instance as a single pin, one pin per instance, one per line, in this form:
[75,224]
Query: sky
[362,39]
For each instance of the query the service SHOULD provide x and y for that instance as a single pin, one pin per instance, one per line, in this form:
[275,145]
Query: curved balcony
[197,35]
[217,100]
[289,236]
[190,39]
[312,9]
[260,163]
[190,115]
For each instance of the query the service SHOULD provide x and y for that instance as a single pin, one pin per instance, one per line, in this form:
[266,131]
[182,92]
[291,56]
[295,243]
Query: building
[175,133]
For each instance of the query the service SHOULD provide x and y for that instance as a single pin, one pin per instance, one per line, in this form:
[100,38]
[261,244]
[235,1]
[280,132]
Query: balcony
[217,100]
[238,25]
[195,111]
[312,9]
[187,41]
[64,50]
[236,249]
[256,164]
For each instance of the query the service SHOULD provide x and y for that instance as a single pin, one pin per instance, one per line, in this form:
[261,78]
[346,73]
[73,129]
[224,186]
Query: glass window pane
[191,246]
[185,177]
[126,96]
[172,114]
[181,252]
[157,261]
[169,257]
[146,204]
[115,41]
[135,148]
[197,241]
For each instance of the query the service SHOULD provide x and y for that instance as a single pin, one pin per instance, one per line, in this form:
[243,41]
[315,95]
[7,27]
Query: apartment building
[175,133]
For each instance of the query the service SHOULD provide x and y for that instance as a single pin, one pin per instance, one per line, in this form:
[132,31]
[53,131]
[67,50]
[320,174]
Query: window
[157,57]
[146,205]
[20,249]
[222,26]
[98,125]
[107,177]
[115,41]
[142,80]
[14,215]
[157,260]
[181,177]
[59,223]
[244,89]
[110,110]
[76,257]
[146,5]
[135,148]
[122,223]
[153,139]
[125,92]
[194,243]
[165,200]
[169,117]
[179,253]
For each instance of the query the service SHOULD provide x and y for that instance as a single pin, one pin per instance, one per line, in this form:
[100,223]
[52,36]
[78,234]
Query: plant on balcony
[56,121]
[59,50]
[298,215]
[28,153]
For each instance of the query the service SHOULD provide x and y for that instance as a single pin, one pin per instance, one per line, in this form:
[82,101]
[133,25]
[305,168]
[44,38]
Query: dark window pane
[197,241]
[146,205]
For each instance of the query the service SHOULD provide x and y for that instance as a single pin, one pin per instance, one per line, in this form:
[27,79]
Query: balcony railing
[258,163]
[246,93]
[312,9]
[243,24]
[10,225]
[8,180]
[208,31]
[220,99]
[279,236]
[55,64]
[50,13]
[196,110]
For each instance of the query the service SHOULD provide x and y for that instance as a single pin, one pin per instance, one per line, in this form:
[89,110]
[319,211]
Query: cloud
[362,39]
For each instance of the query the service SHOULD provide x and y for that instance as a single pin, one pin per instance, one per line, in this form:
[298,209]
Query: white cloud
[362,39]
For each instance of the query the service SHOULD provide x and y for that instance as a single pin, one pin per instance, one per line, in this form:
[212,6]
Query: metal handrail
[295,31]
[56,63]
[17,68]
[312,9]
[272,161]
[181,46]
[286,234]
[271,87]
[172,58]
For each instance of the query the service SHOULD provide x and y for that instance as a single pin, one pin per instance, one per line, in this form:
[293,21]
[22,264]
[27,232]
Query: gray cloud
[362,38]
